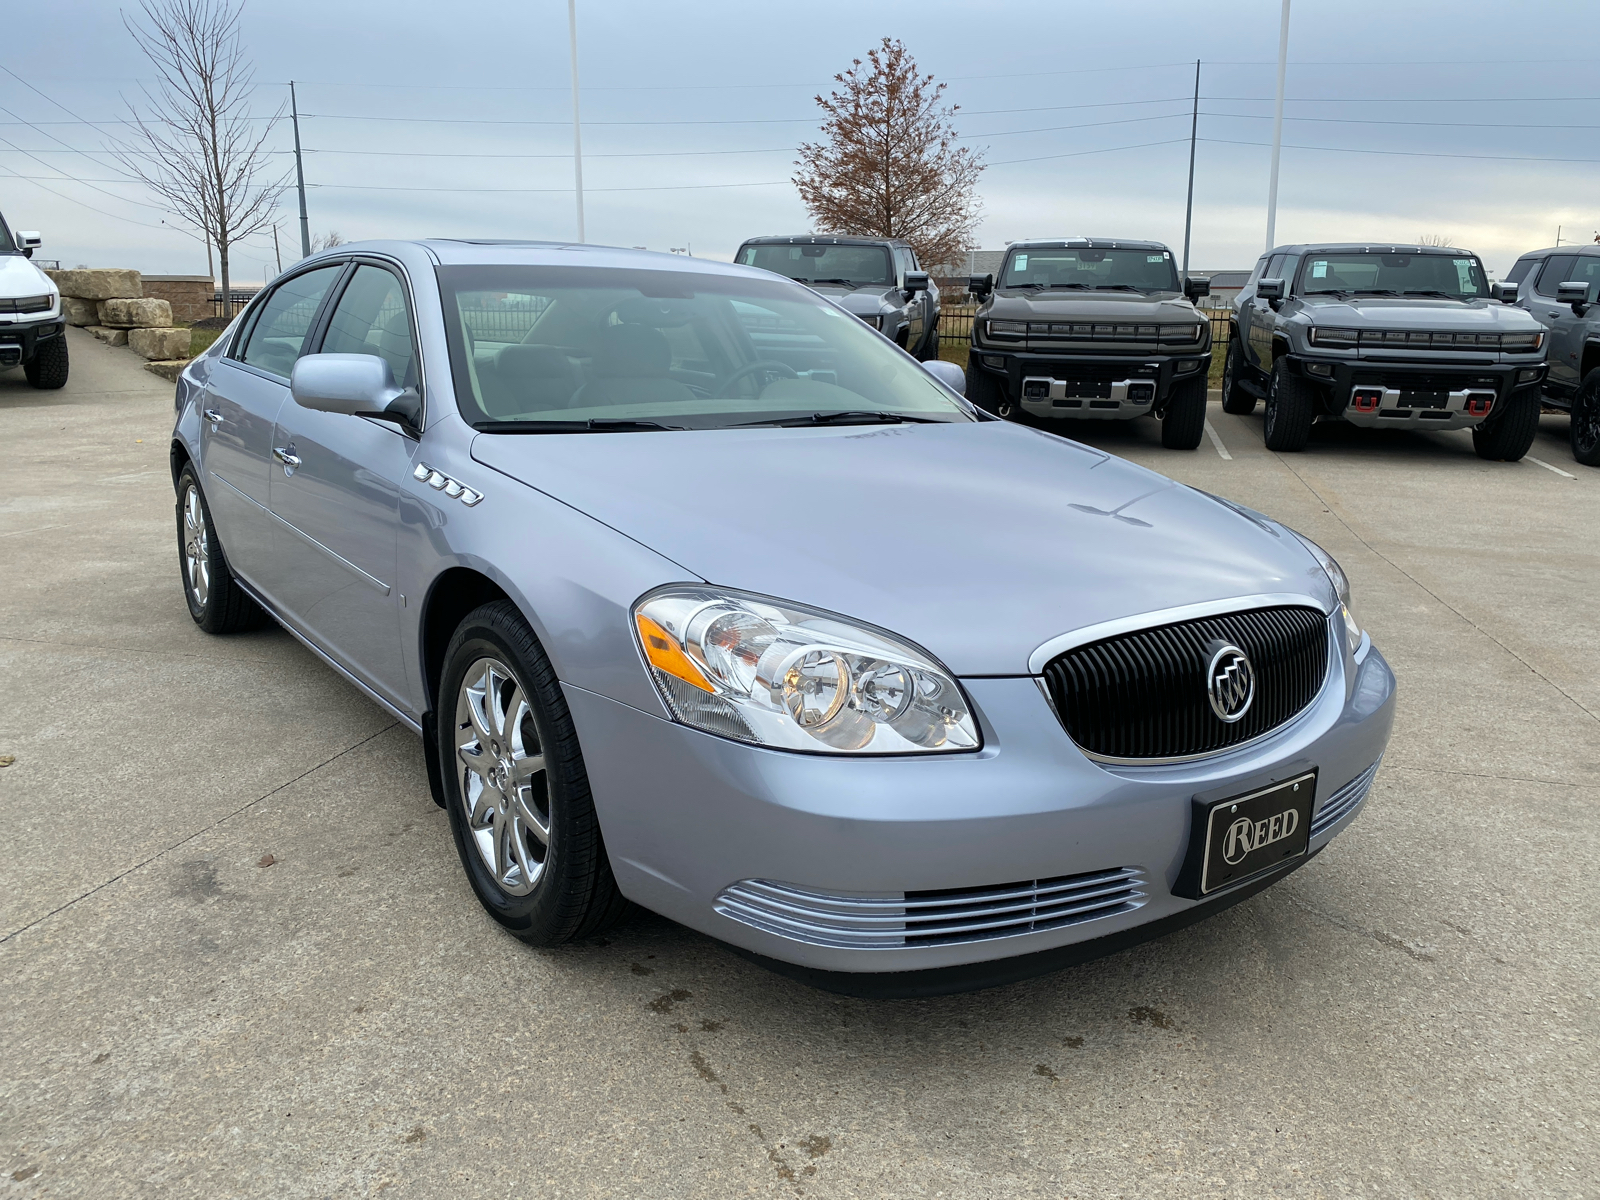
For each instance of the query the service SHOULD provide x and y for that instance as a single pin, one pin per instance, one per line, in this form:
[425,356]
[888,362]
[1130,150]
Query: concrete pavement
[1413,1014]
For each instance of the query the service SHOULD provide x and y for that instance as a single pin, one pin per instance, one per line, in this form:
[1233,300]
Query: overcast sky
[421,119]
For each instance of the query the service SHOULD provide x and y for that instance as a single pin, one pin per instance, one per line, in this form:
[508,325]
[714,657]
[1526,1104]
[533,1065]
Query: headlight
[775,674]
[875,322]
[1008,329]
[1341,585]
[1333,337]
[1181,333]
[1521,341]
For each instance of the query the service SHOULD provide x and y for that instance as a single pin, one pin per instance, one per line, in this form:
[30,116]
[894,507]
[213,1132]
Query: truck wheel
[1185,419]
[1234,398]
[48,367]
[216,602]
[1586,421]
[1508,436]
[929,349]
[1288,418]
[983,389]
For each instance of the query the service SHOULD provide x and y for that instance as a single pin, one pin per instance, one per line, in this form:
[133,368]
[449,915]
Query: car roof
[1370,247]
[1580,248]
[511,252]
[1087,243]
[820,239]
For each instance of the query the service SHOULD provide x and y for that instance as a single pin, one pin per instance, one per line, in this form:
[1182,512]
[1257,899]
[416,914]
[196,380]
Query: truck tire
[983,389]
[1287,427]
[1234,398]
[929,350]
[1185,419]
[1586,421]
[1508,436]
[47,369]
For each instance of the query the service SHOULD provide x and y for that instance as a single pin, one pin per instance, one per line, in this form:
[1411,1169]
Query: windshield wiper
[593,425]
[854,416]
[845,282]
[1117,287]
[1429,292]
[1081,287]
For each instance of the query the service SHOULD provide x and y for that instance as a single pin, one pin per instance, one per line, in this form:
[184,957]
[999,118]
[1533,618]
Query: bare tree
[1436,239]
[327,241]
[888,164]
[196,143]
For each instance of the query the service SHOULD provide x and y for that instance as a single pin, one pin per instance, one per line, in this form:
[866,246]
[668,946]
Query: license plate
[1259,830]
[1424,399]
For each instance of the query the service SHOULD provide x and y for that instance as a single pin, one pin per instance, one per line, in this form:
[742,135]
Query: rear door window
[1520,269]
[1555,272]
[278,337]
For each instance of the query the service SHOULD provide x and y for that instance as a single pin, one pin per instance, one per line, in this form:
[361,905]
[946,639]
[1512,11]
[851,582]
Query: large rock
[79,312]
[136,314]
[159,343]
[167,370]
[111,337]
[105,283]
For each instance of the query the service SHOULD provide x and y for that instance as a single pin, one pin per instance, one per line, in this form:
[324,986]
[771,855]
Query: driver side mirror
[1576,293]
[947,373]
[916,281]
[356,385]
[1196,286]
[1504,292]
[980,285]
[1270,290]
[28,240]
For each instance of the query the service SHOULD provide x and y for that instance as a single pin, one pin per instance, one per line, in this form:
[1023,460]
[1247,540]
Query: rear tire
[929,350]
[216,602]
[47,370]
[1184,422]
[515,785]
[1234,398]
[1509,435]
[1586,421]
[1289,415]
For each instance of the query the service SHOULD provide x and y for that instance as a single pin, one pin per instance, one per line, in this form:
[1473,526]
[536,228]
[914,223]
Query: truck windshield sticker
[1022,262]
[1319,270]
[1464,275]
[1155,258]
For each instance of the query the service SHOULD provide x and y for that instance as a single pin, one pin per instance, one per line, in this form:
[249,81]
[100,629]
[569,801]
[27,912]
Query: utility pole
[1558,235]
[1277,128]
[577,130]
[300,173]
[276,252]
[1188,212]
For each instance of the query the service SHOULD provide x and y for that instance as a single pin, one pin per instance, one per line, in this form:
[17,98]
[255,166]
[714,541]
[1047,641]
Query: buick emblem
[1230,684]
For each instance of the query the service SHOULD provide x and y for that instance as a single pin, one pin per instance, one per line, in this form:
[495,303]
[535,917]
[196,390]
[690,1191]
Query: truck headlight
[776,674]
[1182,333]
[1341,586]
[1521,342]
[1333,337]
[1007,329]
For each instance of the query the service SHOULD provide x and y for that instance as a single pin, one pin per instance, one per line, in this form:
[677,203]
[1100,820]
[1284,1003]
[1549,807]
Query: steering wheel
[784,370]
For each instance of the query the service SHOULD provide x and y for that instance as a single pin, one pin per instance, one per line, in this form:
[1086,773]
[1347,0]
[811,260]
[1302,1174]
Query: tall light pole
[1277,127]
[1188,212]
[300,176]
[577,127]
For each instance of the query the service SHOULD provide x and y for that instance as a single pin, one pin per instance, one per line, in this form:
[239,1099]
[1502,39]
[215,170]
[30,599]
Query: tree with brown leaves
[888,164]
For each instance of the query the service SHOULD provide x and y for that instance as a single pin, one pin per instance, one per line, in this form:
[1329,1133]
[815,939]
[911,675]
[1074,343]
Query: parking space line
[1539,462]
[1217,442]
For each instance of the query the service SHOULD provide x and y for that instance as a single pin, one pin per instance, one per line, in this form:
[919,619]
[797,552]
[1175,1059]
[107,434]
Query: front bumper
[1471,391]
[695,823]
[1066,386]
[19,340]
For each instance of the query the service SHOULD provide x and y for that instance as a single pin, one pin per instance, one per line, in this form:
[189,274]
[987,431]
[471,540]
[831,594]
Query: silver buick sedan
[703,595]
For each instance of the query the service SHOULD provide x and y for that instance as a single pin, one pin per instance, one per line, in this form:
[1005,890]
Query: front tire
[1289,415]
[983,389]
[1234,398]
[515,785]
[216,602]
[1586,421]
[929,350]
[1509,435]
[47,369]
[1185,419]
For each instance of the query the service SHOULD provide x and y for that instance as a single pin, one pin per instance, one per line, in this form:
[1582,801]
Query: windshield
[1393,274]
[682,350]
[1103,270]
[853,265]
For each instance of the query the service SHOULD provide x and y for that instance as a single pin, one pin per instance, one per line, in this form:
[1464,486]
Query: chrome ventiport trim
[440,482]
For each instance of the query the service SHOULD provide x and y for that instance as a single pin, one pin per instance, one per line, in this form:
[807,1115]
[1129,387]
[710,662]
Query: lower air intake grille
[1345,801]
[932,918]
[1144,694]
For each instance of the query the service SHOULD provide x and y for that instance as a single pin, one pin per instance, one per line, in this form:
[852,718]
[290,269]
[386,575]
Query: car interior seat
[526,379]
[631,364]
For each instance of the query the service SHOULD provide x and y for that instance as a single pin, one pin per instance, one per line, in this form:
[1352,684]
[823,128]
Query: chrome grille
[905,919]
[1345,801]
[1142,695]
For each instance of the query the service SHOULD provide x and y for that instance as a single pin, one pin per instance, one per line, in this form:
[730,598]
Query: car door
[1263,319]
[1565,349]
[239,407]
[916,309]
[335,489]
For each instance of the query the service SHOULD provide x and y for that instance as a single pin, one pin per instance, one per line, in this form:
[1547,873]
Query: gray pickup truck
[32,333]
[1560,286]
[1387,337]
[877,279]
[1085,328]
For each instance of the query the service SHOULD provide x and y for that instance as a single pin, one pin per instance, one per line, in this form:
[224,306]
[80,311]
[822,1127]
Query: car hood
[869,299]
[980,541]
[1418,312]
[1117,306]
[19,277]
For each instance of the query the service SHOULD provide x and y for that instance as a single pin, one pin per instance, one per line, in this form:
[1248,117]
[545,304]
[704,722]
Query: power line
[74,200]
[687,187]
[1375,121]
[1080,153]
[1411,153]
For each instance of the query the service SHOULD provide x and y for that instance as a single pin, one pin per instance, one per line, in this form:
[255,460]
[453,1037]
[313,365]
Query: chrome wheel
[196,548]
[505,792]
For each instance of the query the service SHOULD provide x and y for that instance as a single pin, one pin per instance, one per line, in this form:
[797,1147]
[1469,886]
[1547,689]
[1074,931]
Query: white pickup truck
[32,333]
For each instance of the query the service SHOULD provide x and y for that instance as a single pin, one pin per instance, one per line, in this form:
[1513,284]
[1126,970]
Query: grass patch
[200,340]
[955,352]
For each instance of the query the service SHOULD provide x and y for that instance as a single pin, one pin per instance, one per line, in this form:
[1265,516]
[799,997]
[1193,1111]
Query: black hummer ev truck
[1387,337]
[1085,328]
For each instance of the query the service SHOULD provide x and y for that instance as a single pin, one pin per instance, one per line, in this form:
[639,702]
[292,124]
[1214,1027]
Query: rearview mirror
[28,240]
[980,285]
[356,385]
[1506,293]
[1269,290]
[947,373]
[916,281]
[1196,286]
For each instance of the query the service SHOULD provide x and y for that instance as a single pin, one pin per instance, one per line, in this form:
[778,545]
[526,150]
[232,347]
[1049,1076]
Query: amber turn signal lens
[664,653]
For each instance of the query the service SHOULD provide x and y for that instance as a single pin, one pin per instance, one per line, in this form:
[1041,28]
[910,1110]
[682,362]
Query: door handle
[212,415]
[286,455]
